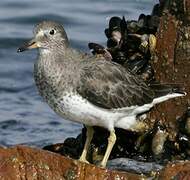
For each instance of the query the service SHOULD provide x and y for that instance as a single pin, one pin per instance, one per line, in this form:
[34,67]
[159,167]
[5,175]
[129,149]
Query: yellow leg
[111,142]
[89,135]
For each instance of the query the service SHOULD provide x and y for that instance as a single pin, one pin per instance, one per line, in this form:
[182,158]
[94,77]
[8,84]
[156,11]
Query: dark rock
[130,165]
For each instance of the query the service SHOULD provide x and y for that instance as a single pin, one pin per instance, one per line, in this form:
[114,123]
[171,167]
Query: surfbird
[88,90]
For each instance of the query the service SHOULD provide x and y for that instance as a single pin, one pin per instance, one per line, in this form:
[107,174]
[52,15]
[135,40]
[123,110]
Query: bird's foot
[102,164]
[83,160]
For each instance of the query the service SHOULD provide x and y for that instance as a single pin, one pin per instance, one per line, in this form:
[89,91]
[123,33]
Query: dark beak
[29,45]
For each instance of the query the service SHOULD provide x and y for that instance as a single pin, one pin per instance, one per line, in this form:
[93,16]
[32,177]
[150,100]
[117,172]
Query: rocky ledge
[22,162]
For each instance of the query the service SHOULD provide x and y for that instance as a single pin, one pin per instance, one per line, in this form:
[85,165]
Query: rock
[130,165]
[171,63]
[176,170]
[22,162]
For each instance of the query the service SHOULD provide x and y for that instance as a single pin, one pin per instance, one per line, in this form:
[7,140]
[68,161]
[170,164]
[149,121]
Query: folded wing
[109,85]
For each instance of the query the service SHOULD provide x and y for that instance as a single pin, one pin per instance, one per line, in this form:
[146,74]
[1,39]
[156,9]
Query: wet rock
[131,165]
[28,163]
[22,162]
[176,170]
[171,62]
[67,149]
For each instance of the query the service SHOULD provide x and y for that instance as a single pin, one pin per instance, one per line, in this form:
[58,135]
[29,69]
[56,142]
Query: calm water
[24,117]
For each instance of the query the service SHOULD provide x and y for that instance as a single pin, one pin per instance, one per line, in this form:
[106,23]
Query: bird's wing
[109,85]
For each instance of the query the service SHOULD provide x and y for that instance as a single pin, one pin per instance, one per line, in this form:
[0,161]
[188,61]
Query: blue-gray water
[24,117]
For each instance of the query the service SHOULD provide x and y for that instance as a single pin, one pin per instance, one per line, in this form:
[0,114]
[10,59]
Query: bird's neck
[56,64]
[45,53]
[52,57]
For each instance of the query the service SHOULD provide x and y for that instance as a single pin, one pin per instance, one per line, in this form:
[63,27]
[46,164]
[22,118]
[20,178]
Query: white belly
[75,108]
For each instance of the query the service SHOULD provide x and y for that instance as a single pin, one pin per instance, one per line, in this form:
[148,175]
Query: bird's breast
[46,83]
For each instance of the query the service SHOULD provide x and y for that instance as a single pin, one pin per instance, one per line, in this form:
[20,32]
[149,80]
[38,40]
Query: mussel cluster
[131,43]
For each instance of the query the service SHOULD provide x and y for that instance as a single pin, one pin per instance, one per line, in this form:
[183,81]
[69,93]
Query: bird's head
[47,35]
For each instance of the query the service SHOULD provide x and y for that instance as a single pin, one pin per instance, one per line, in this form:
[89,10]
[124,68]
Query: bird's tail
[165,89]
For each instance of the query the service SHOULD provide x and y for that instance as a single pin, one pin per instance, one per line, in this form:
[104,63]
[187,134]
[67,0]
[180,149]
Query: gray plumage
[103,83]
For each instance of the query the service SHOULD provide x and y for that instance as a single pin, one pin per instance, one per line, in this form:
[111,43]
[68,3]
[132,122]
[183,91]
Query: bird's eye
[52,32]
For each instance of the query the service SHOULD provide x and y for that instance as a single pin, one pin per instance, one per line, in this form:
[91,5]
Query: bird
[84,89]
